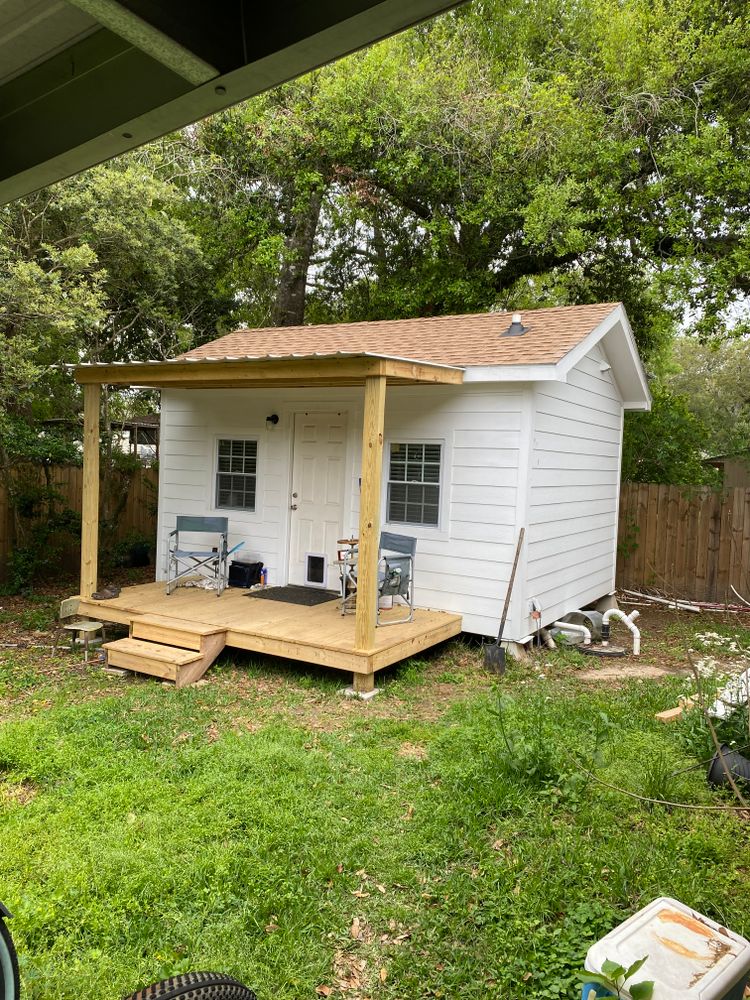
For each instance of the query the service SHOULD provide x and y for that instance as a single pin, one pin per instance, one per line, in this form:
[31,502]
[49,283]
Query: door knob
[293,506]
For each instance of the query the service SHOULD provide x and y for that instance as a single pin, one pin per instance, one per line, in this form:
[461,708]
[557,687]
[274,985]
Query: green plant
[121,552]
[45,543]
[613,978]
[658,780]
[527,753]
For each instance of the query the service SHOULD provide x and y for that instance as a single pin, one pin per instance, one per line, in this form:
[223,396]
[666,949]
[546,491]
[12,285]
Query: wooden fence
[691,542]
[138,516]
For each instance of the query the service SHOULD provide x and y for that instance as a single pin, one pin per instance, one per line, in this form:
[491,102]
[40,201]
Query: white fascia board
[619,343]
[639,369]
[582,348]
[511,373]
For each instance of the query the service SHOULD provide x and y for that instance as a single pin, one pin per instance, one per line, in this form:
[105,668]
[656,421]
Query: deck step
[149,657]
[173,631]
[183,655]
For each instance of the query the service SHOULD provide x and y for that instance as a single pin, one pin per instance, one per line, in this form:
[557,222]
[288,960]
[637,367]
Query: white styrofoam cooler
[690,957]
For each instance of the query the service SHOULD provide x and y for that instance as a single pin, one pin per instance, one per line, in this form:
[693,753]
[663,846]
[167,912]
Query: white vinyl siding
[543,455]
[574,483]
[463,564]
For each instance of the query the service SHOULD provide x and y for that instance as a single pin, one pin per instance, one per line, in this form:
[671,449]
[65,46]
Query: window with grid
[236,471]
[414,484]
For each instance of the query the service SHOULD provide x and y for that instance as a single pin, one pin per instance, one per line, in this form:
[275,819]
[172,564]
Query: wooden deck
[319,635]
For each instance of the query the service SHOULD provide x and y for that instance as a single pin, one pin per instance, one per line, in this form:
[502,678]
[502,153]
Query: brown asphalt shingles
[452,340]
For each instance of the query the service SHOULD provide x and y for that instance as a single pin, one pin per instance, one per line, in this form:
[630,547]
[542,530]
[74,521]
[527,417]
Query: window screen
[414,484]
[236,471]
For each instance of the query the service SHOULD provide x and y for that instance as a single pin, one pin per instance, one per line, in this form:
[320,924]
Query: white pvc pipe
[627,620]
[579,629]
[547,639]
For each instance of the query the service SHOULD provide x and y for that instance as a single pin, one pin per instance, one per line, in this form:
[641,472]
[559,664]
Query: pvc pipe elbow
[628,622]
[579,629]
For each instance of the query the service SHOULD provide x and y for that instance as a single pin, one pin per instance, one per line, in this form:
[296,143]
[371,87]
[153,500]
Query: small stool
[85,631]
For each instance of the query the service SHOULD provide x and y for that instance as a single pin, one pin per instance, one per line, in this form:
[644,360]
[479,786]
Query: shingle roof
[450,340]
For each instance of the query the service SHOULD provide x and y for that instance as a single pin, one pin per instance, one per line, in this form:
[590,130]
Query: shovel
[494,654]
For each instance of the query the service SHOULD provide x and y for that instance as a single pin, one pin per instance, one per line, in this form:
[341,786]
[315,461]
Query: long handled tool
[494,654]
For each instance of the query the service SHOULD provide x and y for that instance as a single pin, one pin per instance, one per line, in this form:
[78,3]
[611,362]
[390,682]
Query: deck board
[319,634]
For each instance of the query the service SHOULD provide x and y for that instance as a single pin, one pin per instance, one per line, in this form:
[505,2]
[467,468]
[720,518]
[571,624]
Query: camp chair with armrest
[395,574]
[210,561]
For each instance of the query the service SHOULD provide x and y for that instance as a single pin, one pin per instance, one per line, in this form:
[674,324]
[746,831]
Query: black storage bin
[244,574]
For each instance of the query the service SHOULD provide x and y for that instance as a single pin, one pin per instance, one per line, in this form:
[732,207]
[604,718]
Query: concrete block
[361,695]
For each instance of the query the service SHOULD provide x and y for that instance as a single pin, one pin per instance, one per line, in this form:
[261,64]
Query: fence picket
[139,515]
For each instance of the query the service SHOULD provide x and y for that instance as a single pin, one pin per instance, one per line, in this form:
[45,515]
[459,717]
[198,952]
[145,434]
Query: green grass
[243,825]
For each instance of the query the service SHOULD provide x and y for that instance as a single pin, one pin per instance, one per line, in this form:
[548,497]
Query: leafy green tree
[98,268]
[508,154]
[666,445]
[714,378]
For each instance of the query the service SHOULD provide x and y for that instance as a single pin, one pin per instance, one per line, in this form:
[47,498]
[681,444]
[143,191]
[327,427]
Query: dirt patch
[19,794]
[628,671]
[413,751]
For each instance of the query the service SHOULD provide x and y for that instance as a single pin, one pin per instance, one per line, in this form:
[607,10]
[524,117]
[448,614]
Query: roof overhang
[268,372]
[85,80]
[616,337]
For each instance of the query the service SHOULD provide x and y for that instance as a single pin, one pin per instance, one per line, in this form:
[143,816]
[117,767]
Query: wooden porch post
[90,498]
[369,520]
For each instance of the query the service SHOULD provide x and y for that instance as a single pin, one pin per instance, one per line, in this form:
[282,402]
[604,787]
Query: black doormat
[307,597]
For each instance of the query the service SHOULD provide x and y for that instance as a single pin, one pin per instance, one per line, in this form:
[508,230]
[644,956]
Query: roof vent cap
[516,328]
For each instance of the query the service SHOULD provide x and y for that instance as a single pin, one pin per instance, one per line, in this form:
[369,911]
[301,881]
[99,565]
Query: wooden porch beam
[90,498]
[267,372]
[369,512]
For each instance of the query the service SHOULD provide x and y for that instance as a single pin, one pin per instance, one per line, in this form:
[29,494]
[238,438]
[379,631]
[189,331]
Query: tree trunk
[289,307]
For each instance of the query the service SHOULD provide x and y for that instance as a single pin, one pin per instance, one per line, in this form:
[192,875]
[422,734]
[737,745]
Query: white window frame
[417,530]
[246,436]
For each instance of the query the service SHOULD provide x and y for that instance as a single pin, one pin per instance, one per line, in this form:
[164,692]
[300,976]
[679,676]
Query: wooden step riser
[192,672]
[143,665]
[167,636]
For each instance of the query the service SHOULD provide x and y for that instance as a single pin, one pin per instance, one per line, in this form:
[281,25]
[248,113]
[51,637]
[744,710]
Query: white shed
[531,437]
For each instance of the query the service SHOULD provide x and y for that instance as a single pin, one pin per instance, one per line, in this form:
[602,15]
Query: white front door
[317,501]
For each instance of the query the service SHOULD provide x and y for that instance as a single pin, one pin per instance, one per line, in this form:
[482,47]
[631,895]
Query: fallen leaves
[349,970]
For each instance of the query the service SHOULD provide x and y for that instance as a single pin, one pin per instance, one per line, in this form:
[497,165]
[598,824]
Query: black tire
[195,986]
[10,981]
